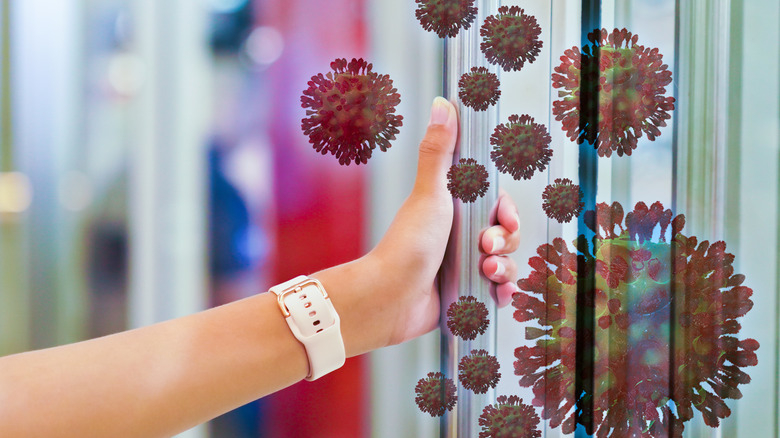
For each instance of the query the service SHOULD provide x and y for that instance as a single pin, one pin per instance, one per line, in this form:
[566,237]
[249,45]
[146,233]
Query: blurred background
[152,165]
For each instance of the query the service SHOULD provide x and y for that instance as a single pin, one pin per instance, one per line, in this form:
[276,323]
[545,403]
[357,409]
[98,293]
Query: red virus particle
[479,88]
[435,394]
[467,318]
[562,200]
[520,147]
[350,111]
[612,92]
[467,180]
[479,371]
[510,417]
[510,38]
[445,17]
[662,330]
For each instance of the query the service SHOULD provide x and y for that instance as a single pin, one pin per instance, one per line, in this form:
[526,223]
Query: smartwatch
[314,322]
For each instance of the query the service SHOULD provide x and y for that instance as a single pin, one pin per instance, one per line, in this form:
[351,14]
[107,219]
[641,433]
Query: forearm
[159,380]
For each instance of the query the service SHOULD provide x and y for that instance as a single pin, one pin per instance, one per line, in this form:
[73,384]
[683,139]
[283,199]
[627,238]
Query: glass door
[652,310]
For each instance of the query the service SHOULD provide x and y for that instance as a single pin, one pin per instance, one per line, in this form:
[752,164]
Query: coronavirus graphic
[435,394]
[467,318]
[509,417]
[478,371]
[634,331]
[445,17]
[350,111]
[520,147]
[479,88]
[562,200]
[612,92]
[467,180]
[510,38]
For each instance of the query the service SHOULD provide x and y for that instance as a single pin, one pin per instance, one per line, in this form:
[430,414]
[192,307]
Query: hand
[496,243]
[408,257]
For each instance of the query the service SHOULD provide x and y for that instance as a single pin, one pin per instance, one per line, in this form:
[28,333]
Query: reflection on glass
[662,331]
[612,92]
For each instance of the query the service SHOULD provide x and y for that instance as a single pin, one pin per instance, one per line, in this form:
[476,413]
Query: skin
[159,380]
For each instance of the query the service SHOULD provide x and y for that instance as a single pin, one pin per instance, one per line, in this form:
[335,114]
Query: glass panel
[660,334]
[696,164]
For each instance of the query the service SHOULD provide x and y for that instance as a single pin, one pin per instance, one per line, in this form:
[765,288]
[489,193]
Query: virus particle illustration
[479,371]
[479,88]
[612,92]
[648,327]
[445,17]
[520,147]
[350,111]
[510,38]
[467,318]
[509,417]
[467,180]
[435,394]
[562,200]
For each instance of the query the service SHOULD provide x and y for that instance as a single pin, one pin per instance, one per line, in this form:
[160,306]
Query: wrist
[360,300]
[313,321]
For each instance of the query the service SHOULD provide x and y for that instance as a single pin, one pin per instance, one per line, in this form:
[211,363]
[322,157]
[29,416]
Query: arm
[159,380]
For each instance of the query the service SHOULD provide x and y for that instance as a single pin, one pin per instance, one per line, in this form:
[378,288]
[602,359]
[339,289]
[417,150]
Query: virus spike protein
[467,318]
[350,111]
[436,394]
[639,282]
[510,38]
[478,371]
[467,180]
[445,17]
[479,88]
[562,200]
[521,147]
[630,81]
[509,417]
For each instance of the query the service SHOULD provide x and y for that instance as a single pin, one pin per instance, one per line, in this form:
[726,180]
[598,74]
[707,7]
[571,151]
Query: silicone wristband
[314,322]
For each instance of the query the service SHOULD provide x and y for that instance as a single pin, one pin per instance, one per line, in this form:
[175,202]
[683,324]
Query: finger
[504,203]
[437,147]
[507,213]
[499,269]
[498,240]
[504,236]
[504,293]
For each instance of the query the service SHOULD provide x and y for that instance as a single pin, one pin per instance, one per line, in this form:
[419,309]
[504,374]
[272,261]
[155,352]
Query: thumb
[437,147]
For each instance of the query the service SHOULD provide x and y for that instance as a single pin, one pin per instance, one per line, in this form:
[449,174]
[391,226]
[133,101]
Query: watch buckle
[295,289]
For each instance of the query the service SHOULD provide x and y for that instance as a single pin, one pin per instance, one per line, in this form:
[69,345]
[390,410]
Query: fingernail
[517,219]
[500,269]
[498,244]
[440,111]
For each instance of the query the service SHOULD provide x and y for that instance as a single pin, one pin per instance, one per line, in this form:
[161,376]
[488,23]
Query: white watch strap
[314,322]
